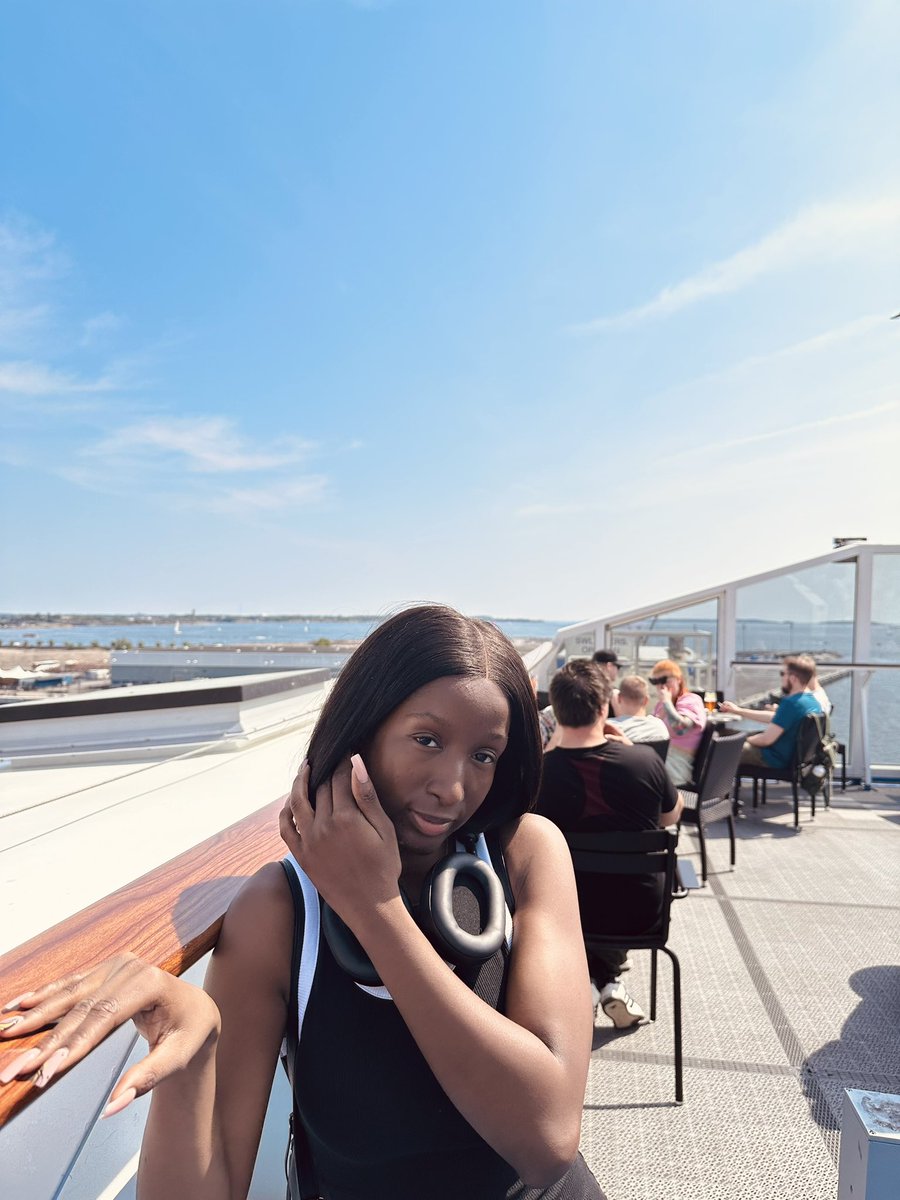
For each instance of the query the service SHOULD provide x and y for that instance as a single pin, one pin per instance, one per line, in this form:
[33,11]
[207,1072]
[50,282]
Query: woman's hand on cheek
[347,846]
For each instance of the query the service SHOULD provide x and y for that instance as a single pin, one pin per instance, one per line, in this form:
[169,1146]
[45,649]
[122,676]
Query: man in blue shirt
[774,746]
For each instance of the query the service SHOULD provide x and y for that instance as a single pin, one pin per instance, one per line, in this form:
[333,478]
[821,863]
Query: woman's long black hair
[405,653]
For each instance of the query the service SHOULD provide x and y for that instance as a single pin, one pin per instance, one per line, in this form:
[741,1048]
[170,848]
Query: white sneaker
[621,1007]
[595,997]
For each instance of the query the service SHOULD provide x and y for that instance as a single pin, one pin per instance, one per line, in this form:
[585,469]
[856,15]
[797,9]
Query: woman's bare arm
[204,1126]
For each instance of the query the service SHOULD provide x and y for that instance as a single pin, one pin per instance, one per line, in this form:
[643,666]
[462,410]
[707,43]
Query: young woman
[683,714]
[441,1082]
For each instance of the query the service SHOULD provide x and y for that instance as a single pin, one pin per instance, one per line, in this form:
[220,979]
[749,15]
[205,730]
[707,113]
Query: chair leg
[843,767]
[755,791]
[702,849]
[764,797]
[731,840]
[652,985]
[676,1013]
[796,792]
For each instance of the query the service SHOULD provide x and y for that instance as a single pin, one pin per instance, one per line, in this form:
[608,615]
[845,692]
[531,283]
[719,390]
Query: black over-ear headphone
[435,918]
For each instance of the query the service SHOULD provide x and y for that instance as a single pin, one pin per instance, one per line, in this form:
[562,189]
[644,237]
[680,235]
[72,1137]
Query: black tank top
[377,1121]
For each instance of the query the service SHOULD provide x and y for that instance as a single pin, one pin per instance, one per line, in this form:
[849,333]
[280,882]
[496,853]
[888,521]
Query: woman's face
[672,682]
[433,760]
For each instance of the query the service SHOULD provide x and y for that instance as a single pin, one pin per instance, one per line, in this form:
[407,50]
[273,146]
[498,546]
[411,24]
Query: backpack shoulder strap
[299,1168]
[493,855]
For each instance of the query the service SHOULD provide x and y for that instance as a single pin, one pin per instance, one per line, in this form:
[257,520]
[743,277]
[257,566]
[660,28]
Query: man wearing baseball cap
[609,661]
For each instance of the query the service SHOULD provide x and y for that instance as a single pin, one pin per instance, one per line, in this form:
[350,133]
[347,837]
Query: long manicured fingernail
[359,769]
[4,1025]
[49,1068]
[120,1102]
[15,1065]
[15,1003]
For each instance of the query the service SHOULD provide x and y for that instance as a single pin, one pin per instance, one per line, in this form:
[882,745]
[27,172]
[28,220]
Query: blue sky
[541,309]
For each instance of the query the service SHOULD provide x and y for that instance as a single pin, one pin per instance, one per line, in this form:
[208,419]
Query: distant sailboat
[177,628]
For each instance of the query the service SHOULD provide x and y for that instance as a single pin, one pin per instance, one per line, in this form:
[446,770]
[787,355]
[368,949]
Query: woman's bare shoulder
[531,832]
[264,896]
[533,847]
[258,928]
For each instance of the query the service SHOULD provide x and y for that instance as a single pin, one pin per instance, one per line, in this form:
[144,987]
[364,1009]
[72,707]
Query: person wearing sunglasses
[774,745]
[683,714]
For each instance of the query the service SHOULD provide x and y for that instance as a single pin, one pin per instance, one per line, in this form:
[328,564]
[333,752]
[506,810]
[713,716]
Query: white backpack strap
[310,952]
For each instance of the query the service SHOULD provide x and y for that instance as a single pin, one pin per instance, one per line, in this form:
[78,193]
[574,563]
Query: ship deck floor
[790,994]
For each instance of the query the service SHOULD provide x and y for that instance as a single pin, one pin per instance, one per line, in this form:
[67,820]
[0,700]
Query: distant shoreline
[71,620]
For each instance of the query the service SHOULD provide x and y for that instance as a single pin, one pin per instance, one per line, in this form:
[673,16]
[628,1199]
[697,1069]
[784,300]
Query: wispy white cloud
[291,493]
[785,433]
[202,444]
[861,338]
[38,379]
[96,328]
[542,509]
[27,254]
[29,261]
[820,232]
[18,323]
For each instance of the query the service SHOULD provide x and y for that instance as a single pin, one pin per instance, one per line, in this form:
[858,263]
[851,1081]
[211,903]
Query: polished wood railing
[171,917]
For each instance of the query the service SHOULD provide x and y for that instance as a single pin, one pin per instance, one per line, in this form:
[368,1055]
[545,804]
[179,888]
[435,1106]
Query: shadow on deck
[791,993]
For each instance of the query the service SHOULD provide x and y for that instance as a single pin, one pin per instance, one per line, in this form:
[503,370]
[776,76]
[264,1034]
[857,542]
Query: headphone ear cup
[344,945]
[438,922]
[348,953]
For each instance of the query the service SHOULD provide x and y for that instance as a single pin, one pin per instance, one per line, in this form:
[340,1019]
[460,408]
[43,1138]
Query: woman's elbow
[547,1158]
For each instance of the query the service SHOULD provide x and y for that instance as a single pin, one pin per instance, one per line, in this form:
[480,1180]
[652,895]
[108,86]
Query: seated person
[765,715]
[549,727]
[609,662]
[807,660]
[592,783]
[774,746]
[684,716]
[638,727]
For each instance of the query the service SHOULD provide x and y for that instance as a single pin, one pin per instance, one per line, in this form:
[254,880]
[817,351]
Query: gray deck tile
[791,994]
[742,1136]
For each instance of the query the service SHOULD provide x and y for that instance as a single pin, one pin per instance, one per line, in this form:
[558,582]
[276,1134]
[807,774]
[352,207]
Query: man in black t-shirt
[596,780]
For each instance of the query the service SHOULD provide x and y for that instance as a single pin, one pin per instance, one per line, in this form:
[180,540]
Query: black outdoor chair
[813,728]
[711,800]
[661,746]
[648,853]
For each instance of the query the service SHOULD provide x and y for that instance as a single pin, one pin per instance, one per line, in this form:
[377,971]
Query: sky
[539,309]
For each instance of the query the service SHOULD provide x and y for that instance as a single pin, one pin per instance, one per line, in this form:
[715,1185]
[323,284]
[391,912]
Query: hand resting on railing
[176,1018]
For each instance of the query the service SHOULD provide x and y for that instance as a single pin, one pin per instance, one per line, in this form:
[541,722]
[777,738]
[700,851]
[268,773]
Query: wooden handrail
[193,890]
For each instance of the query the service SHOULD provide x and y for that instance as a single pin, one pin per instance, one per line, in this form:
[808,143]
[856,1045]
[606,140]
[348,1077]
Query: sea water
[239,631]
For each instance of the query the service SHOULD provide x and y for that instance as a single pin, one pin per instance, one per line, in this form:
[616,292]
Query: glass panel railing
[685,635]
[808,611]
[883,711]
[886,609]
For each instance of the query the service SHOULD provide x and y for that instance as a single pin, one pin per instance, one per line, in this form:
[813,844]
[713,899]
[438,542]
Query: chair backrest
[661,747]
[700,754]
[720,766]
[813,729]
[648,853]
